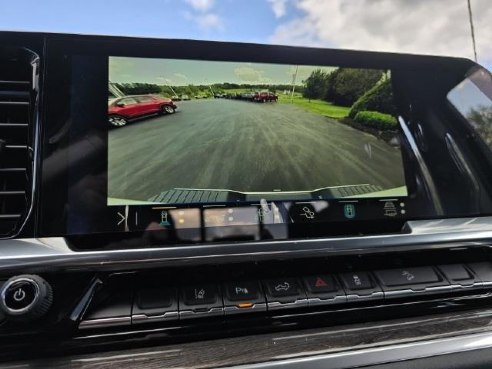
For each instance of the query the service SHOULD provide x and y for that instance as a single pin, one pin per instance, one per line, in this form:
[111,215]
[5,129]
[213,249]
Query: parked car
[125,109]
[185,97]
[175,98]
[249,96]
[265,96]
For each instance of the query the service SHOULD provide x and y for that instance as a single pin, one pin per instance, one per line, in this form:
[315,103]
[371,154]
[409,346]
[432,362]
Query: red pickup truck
[265,96]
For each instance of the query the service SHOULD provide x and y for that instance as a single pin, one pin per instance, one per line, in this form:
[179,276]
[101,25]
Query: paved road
[244,146]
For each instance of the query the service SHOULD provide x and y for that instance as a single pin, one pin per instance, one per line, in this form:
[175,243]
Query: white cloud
[209,21]
[279,7]
[248,74]
[437,27]
[203,15]
[201,5]
[206,21]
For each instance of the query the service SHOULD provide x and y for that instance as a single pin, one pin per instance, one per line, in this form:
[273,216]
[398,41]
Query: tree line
[193,90]
[343,86]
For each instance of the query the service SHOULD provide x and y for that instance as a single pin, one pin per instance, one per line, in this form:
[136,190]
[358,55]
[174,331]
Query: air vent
[18,84]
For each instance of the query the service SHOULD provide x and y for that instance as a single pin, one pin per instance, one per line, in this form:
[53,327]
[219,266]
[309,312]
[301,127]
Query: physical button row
[168,303]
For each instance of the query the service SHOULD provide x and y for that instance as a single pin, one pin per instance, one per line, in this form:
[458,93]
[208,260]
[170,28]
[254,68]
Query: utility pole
[294,77]
[472,29]
[169,86]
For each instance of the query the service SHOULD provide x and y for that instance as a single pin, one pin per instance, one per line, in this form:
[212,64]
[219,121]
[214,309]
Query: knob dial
[26,296]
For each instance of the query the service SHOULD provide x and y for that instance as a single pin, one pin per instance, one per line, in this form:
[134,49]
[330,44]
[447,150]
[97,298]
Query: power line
[470,17]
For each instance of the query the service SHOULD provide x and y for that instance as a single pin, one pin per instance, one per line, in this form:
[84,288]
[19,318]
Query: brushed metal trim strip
[56,254]
[105,322]
[379,355]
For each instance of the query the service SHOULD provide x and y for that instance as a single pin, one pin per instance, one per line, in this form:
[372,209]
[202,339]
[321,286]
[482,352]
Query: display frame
[58,152]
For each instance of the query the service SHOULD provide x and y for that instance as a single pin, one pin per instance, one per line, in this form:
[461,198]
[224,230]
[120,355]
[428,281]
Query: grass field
[315,106]
[320,107]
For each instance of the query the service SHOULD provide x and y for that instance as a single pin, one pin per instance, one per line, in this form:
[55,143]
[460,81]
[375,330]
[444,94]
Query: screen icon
[164,219]
[349,211]
[307,212]
[390,209]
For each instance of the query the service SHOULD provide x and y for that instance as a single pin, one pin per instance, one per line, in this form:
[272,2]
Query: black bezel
[60,132]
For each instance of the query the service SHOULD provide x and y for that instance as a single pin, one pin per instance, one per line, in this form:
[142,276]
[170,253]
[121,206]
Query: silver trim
[36,133]
[425,170]
[379,355]
[376,295]
[257,307]
[319,301]
[55,254]
[276,305]
[105,322]
[459,160]
[190,314]
[7,285]
[404,292]
[143,318]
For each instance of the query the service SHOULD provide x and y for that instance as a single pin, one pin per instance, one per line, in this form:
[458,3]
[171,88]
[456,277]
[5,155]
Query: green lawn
[316,106]
[320,107]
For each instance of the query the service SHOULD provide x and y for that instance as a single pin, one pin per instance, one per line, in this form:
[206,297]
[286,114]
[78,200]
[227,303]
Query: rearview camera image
[196,131]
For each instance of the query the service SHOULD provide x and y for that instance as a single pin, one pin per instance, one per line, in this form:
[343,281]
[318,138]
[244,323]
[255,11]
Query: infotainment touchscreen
[179,141]
[207,132]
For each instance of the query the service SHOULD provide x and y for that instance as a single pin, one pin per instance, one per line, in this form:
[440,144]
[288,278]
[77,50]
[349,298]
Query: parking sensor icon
[349,211]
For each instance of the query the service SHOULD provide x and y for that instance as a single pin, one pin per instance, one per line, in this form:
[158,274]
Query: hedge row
[378,98]
[375,119]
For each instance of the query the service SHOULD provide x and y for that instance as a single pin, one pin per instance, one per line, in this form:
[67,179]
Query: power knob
[26,296]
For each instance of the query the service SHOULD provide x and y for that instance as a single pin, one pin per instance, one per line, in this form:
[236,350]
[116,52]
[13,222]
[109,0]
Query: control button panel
[200,300]
[284,293]
[125,302]
[243,296]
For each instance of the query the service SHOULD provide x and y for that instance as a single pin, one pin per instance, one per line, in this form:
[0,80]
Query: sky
[437,27]
[177,72]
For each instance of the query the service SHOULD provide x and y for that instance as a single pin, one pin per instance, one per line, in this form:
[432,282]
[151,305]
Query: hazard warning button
[321,283]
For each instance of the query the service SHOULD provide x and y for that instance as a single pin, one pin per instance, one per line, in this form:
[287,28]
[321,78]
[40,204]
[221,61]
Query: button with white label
[25,296]
[200,300]
[282,287]
[200,294]
[407,276]
[243,296]
[356,280]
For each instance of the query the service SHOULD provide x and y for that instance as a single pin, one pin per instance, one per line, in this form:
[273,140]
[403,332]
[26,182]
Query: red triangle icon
[320,282]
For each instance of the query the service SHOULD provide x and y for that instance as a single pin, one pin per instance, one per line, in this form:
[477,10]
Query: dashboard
[176,198]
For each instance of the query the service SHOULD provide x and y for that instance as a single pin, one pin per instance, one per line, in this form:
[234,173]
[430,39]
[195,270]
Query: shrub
[378,98]
[346,85]
[375,119]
